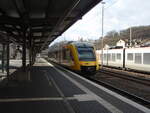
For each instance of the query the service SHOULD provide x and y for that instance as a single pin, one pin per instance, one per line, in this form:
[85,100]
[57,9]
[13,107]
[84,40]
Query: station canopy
[41,21]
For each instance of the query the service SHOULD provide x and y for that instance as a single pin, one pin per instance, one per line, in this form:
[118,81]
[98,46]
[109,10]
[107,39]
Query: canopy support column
[7,68]
[30,48]
[3,51]
[24,52]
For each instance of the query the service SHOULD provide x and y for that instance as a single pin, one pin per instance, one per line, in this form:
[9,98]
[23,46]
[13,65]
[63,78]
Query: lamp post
[130,36]
[102,33]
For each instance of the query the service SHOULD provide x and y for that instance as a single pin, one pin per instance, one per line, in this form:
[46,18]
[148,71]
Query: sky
[118,15]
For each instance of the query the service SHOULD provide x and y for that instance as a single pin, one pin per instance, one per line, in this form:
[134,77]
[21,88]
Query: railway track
[124,93]
[126,76]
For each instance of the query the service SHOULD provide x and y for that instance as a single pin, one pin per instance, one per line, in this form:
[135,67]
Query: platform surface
[55,91]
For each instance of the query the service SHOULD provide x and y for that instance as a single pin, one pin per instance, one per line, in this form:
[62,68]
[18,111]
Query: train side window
[105,57]
[109,57]
[68,57]
[71,56]
[130,56]
[113,57]
[64,54]
[138,58]
[146,58]
[118,56]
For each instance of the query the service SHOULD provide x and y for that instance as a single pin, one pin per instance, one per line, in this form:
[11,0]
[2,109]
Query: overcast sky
[118,15]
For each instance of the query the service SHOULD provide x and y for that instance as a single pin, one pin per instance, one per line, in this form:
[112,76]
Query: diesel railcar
[127,58]
[77,56]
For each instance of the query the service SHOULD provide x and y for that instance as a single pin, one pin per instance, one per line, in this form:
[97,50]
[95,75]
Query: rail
[127,77]
[133,97]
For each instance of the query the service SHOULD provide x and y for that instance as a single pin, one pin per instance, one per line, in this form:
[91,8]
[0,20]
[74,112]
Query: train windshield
[86,54]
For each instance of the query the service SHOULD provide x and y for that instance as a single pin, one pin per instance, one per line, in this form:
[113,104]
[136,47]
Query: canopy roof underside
[41,21]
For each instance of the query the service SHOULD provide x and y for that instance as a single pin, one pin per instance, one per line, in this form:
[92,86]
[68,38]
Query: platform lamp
[102,33]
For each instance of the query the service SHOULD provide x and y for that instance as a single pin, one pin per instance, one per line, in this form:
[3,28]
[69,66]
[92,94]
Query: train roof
[81,44]
[57,46]
[116,47]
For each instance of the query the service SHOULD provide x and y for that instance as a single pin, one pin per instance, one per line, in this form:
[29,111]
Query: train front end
[87,61]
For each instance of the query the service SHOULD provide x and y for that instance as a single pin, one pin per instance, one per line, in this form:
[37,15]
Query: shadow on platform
[17,85]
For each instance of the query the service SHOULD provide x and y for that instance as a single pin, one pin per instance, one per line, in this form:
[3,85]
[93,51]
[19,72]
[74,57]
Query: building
[12,49]
[106,46]
[121,43]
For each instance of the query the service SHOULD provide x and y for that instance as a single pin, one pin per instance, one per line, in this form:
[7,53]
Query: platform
[51,90]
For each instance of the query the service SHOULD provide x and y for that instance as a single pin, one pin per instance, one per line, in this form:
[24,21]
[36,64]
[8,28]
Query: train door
[124,58]
[107,57]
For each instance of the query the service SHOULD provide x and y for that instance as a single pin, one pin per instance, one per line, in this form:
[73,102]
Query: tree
[112,34]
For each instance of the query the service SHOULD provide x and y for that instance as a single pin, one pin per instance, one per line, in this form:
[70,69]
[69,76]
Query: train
[77,56]
[137,59]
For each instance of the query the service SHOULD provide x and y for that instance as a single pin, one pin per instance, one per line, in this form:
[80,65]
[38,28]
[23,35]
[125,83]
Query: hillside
[140,35]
